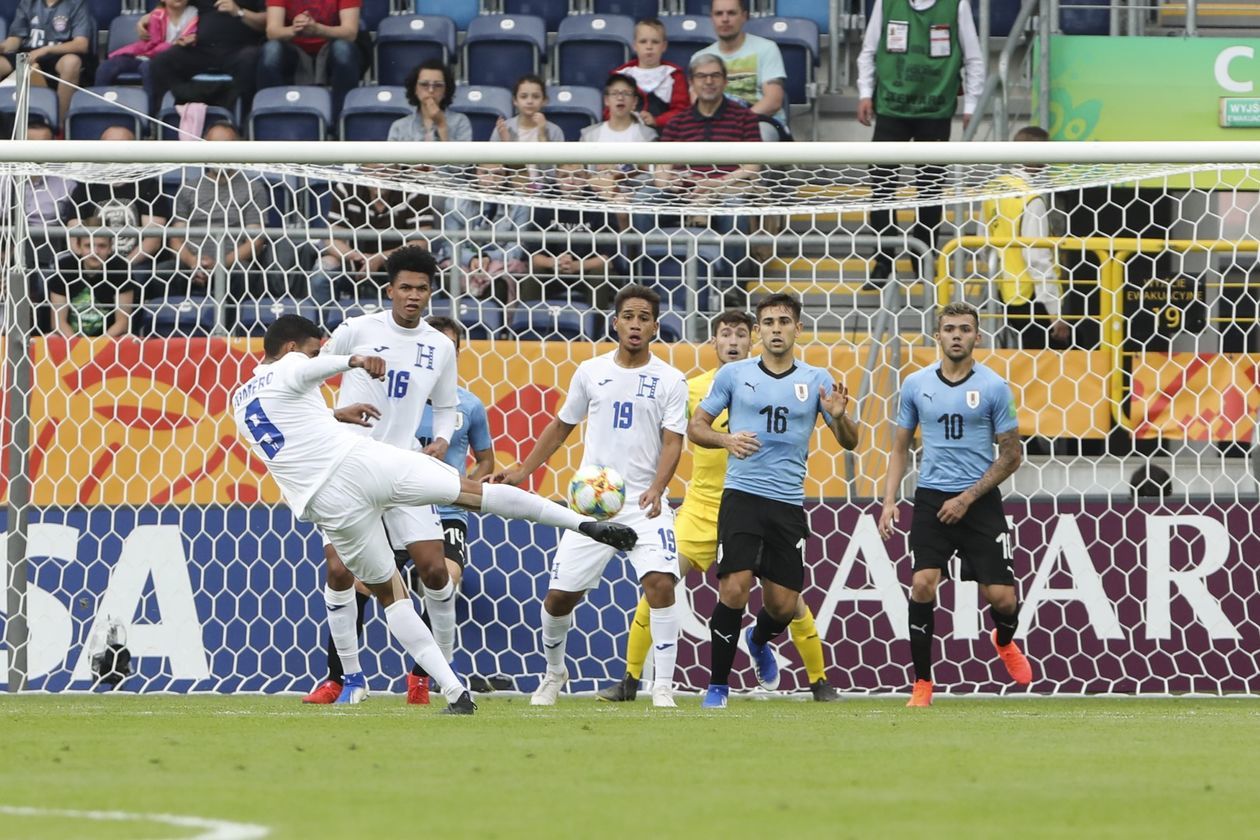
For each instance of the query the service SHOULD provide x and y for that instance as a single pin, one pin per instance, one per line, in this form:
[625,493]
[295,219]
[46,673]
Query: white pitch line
[211,829]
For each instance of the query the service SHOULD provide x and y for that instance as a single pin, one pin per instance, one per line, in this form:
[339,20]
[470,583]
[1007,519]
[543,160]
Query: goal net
[1117,293]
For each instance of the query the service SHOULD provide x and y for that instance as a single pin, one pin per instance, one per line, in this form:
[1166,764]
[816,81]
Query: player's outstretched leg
[637,647]
[514,503]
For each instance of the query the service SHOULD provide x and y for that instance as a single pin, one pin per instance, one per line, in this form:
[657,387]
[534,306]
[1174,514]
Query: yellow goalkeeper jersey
[708,466]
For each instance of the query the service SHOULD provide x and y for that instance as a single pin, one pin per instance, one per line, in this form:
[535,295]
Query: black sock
[767,627]
[1006,624]
[335,672]
[724,638]
[922,628]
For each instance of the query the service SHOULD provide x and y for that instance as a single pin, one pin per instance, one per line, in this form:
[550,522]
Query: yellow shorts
[695,526]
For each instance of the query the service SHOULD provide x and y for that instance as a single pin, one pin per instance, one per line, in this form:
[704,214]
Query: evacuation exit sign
[1240,112]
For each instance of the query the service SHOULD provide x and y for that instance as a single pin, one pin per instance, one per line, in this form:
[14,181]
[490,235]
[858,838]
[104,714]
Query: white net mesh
[1125,320]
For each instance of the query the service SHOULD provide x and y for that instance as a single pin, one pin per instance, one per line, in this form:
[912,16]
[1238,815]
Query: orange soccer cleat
[922,694]
[324,694]
[1014,660]
[417,690]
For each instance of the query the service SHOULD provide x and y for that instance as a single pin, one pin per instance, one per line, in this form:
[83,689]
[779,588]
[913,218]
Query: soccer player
[472,434]
[635,409]
[343,482]
[421,364]
[696,525]
[772,404]
[962,407]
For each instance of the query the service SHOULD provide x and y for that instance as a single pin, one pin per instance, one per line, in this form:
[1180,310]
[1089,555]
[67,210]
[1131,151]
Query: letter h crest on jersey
[647,386]
[425,355]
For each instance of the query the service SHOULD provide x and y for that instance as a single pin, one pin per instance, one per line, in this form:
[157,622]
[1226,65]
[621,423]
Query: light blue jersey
[958,422]
[472,433]
[782,412]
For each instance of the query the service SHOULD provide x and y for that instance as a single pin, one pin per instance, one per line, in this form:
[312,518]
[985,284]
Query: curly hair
[448,77]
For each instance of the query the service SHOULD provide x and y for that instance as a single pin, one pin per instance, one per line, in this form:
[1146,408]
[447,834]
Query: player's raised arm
[835,401]
[892,481]
[308,371]
[481,443]
[445,400]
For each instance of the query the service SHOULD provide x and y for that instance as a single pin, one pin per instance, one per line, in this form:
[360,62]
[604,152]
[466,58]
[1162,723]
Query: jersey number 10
[953,424]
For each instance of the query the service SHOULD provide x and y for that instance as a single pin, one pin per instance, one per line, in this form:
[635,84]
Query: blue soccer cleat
[715,697]
[353,690]
[764,664]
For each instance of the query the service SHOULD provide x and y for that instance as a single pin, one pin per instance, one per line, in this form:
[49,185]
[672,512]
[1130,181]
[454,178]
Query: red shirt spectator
[663,89]
[326,12]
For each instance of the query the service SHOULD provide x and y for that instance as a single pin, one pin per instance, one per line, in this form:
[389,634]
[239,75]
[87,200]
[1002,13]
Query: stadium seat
[460,11]
[96,109]
[105,10]
[815,10]
[797,39]
[1002,14]
[499,49]
[43,101]
[368,112]
[8,8]
[169,116]
[686,34]
[178,316]
[1077,21]
[371,13]
[633,9]
[482,318]
[4,28]
[588,47]
[573,109]
[403,41]
[255,315]
[122,31]
[552,12]
[700,8]
[291,113]
[483,106]
[555,319]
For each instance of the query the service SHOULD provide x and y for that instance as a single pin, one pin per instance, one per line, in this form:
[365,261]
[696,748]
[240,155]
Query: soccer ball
[597,491]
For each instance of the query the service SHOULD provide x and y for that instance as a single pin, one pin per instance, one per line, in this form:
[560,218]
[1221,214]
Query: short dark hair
[614,78]
[959,307]
[780,299]
[527,79]
[448,78]
[442,323]
[411,258]
[288,328]
[636,292]
[1032,134]
[655,23]
[38,121]
[734,317]
[220,123]
[1150,482]
[743,7]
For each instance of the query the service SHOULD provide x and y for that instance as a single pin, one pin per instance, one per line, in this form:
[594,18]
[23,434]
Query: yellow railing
[1112,254]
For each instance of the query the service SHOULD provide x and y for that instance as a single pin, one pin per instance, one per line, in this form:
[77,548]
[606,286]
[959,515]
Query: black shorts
[49,65]
[455,541]
[981,538]
[764,536]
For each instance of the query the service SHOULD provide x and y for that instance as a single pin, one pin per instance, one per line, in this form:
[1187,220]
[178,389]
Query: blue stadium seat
[589,47]
[255,315]
[797,39]
[169,117]
[573,109]
[291,113]
[1086,21]
[105,10]
[633,9]
[552,12]
[178,316]
[403,41]
[1002,14]
[499,49]
[8,8]
[460,11]
[122,31]
[697,7]
[483,106]
[96,109]
[368,112]
[556,319]
[686,34]
[4,28]
[371,13]
[817,11]
[43,101]
[481,318]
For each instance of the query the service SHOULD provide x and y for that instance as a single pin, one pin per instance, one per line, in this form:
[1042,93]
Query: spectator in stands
[172,23]
[57,37]
[228,40]
[908,75]
[230,204]
[530,125]
[431,89]
[624,124]
[95,292]
[1027,278]
[662,84]
[754,67]
[313,42]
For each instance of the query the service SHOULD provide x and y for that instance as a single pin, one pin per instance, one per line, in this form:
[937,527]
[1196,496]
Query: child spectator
[172,23]
[93,294]
[622,124]
[662,84]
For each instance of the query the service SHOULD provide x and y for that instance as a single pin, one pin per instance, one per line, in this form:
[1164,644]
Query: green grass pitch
[1079,768]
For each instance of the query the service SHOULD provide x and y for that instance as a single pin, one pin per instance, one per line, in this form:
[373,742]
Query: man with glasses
[755,70]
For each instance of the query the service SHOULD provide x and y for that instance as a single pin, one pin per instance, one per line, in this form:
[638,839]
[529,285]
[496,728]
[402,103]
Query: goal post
[137,518]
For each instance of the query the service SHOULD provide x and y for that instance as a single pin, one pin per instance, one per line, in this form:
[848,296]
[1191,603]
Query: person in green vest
[914,54]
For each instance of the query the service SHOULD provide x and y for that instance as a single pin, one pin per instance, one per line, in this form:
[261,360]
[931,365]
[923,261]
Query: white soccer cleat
[663,696]
[549,690]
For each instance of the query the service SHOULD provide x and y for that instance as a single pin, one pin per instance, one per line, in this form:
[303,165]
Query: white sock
[555,630]
[342,618]
[664,624]
[405,625]
[514,503]
[440,605]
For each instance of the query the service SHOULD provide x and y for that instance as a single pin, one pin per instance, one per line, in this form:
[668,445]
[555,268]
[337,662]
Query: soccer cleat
[921,695]
[715,697]
[615,534]
[354,690]
[824,693]
[417,690]
[463,706]
[663,696]
[548,690]
[622,691]
[764,664]
[1014,660]
[324,694]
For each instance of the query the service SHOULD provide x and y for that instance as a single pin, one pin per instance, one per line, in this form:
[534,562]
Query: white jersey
[282,415]
[625,410]
[420,367]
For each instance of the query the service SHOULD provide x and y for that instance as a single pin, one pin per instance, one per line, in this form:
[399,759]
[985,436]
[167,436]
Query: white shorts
[408,525]
[579,562]
[375,478]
